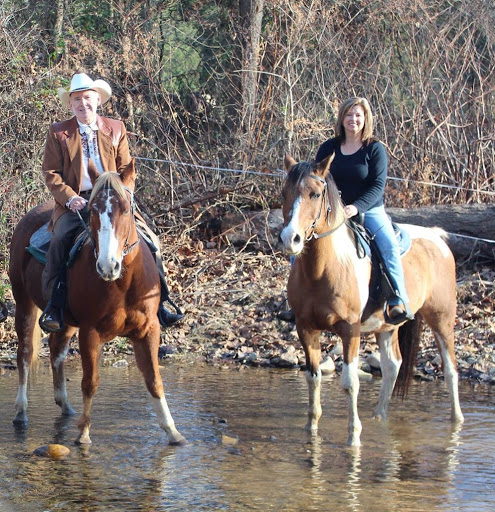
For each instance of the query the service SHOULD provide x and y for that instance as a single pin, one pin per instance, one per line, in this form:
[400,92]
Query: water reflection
[416,461]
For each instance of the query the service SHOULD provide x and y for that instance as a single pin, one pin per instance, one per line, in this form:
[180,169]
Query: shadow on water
[415,461]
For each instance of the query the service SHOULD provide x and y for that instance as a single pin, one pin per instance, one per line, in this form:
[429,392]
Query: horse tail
[409,338]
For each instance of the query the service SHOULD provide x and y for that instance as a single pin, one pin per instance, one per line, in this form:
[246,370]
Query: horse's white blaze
[289,233]
[390,366]
[108,243]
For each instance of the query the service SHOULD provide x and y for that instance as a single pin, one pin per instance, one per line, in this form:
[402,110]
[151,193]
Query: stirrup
[167,318]
[43,319]
[398,319]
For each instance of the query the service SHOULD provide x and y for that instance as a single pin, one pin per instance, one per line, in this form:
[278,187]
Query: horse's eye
[127,211]
[314,195]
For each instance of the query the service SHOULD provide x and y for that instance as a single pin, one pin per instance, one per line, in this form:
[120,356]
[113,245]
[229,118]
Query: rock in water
[327,365]
[52,451]
[229,441]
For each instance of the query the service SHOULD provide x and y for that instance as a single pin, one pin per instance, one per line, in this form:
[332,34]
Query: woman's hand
[350,210]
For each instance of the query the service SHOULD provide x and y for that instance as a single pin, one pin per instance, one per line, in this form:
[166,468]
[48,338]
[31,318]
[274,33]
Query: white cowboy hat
[82,82]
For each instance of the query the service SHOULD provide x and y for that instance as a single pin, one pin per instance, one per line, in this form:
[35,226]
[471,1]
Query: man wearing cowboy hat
[69,147]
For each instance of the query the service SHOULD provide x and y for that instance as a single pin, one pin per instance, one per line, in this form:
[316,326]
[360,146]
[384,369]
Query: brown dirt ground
[231,299]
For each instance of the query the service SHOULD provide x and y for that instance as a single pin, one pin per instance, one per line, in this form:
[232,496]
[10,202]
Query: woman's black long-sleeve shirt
[360,177]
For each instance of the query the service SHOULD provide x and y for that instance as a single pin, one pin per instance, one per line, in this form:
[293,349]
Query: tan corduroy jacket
[63,159]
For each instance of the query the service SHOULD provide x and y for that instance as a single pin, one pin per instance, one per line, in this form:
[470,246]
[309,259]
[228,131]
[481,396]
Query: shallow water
[416,461]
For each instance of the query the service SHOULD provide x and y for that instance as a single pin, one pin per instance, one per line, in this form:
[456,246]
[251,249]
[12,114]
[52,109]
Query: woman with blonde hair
[359,170]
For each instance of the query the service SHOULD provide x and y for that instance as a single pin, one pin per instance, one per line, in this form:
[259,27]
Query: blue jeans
[377,222]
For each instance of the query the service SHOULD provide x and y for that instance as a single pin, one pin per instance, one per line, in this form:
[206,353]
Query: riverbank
[231,299]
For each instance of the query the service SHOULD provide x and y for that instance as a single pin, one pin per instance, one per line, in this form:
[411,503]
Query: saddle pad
[39,243]
[403,239]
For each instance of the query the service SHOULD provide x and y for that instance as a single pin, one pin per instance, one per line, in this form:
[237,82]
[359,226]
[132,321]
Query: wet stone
[228,440]
[121,363]
[52,451]
[374,360]
[327,365]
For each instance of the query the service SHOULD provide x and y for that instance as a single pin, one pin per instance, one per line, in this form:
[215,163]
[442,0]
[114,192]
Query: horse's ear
[289,162]
[92,171]
[323,167]
[128,175]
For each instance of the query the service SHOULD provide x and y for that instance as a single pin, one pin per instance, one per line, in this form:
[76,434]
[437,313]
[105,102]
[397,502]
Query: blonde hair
[367,134]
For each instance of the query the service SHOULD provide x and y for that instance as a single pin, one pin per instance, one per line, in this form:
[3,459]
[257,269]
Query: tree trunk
[251,17]
[57,28]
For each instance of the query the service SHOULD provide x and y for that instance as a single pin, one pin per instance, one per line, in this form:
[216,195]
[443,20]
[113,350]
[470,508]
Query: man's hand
[77,203]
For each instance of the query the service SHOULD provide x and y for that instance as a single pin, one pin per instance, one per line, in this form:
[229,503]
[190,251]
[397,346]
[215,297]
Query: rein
[310,232]
[128,248]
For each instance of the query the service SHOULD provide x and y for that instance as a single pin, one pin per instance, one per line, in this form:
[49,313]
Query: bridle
[310,232]
[127,247]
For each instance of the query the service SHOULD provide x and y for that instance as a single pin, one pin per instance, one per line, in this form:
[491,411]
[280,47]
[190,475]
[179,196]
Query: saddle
[38,248]
[40,241]
[381,286]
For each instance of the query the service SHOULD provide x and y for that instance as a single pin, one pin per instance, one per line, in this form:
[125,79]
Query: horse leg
[445,344]
[59,346]
[90,346]
[391,360]
[146,353]
[311,344]
[27,329]
[350,383]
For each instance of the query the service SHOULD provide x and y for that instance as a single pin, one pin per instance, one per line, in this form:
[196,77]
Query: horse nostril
[117,267]
[297,239]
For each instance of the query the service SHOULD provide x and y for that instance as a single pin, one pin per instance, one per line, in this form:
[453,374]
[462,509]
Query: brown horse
[113,289]
[328,290]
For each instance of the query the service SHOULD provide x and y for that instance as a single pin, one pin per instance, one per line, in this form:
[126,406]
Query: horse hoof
[311,429]
[83,440]
[20,420]
[177,440]
[68,410]
[354,443]
[379,417]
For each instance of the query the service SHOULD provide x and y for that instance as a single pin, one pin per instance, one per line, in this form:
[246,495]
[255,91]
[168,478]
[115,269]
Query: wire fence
[280,173]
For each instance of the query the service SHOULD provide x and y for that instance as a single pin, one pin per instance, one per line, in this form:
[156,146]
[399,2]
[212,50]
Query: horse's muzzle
[292,242]
[110,271]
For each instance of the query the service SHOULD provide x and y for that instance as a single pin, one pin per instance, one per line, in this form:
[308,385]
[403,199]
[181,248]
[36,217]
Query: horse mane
[108,180]
[304,169]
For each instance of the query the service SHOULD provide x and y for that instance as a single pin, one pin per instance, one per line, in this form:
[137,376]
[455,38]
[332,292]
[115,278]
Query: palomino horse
[113,289]
[328,290]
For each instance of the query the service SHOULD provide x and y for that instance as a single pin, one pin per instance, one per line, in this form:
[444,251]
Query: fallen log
[470,228]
